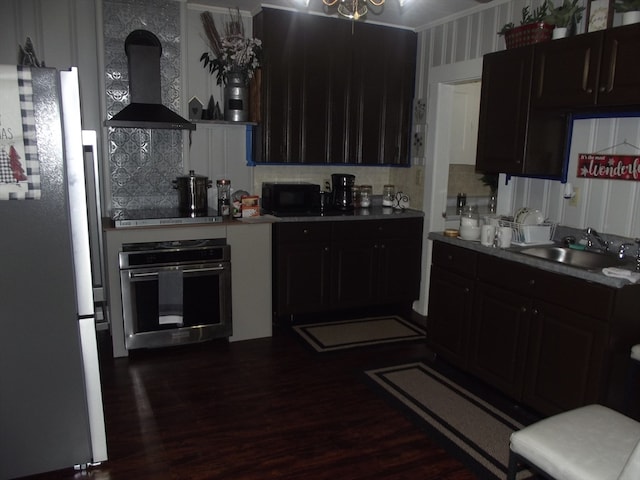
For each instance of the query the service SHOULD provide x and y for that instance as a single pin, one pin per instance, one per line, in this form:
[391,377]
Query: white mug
[504,237]
[487,235]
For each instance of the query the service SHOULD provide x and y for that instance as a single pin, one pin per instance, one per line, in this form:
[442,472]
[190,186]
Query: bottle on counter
[224,197]
[388,195]
[461,201]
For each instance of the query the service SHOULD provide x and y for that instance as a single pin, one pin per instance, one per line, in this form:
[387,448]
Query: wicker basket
[528,34]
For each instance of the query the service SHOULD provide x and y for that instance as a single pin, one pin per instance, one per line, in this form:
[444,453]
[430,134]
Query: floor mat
[340,335]
[471,429]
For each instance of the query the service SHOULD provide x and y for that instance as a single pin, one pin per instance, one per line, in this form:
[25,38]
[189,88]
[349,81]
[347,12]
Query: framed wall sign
[599,15]
[609,167]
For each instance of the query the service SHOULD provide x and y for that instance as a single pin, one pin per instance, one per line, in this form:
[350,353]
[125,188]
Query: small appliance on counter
[290,199]
[342,190]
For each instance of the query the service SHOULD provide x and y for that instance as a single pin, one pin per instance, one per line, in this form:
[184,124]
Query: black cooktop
[162,216]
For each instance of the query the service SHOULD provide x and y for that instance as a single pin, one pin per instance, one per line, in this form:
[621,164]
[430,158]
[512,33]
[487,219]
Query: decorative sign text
[609,167]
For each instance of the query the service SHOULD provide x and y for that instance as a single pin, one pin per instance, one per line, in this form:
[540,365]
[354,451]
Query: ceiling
[416,14]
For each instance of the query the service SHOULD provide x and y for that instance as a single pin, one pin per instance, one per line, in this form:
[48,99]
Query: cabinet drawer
[505,274]
[296,232]
[578,295]
[377,229]
[454,258]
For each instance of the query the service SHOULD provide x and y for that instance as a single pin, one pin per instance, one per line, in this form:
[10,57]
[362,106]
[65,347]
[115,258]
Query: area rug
[468,427]
[341,335]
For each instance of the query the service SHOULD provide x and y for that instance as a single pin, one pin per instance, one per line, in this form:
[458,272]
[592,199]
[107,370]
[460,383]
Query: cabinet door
[302,262]
[381,95]
[504,110]
[280,72]
[450,302]
[620,70]
[566,71]
[498,345]
[565,359]
[354,273]
[399,269]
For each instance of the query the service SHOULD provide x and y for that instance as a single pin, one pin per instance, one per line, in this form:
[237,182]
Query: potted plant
[234,59]
[565,17]
[533,27]
[630,10]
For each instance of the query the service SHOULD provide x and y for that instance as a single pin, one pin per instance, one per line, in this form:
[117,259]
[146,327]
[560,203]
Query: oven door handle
[188,270]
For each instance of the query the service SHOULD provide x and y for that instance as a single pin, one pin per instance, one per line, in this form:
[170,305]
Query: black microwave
[282,199]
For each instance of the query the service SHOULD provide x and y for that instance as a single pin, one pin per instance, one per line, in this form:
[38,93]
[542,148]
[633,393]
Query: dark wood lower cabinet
[450,304]
[499,335]
[331,265]
[550,341]
[565,359]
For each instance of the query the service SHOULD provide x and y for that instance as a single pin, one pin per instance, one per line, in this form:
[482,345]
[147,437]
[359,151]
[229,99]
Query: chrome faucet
[590,235]
[622,249]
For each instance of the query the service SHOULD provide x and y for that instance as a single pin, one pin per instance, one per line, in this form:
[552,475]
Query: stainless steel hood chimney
[143,51]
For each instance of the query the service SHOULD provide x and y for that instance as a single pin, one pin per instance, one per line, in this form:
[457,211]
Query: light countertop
[512,254]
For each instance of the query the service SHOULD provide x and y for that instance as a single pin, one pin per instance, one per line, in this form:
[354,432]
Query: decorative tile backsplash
[142,162]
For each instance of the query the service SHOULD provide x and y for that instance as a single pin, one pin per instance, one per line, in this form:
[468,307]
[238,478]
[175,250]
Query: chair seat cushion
[588,443]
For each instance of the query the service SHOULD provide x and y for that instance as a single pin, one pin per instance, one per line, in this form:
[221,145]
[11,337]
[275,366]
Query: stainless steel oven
[175,292]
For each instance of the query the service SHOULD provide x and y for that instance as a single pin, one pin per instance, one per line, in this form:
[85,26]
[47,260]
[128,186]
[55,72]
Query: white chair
[588,443]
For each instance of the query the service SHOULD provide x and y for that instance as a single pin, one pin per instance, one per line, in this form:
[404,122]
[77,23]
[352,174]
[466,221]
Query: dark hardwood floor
[267,408]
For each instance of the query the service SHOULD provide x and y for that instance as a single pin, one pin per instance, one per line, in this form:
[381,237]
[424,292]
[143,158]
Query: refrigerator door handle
[72,124]
[90,143]
[94,389]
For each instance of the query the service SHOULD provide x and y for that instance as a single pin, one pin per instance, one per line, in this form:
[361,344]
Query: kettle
[342,190]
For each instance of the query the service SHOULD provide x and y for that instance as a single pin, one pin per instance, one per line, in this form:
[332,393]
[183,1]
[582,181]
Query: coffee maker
[342,190]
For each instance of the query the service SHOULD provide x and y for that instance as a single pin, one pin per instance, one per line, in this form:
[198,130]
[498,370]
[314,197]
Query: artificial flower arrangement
[231,53]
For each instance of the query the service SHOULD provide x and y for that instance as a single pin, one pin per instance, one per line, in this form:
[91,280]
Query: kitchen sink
[588,260]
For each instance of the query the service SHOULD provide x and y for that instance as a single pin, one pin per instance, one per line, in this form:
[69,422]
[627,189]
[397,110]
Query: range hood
[146,110]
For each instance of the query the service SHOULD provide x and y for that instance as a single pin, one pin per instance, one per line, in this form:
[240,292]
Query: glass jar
[469,216]
[224,197]
[355,196]
[388,195]
[365,196]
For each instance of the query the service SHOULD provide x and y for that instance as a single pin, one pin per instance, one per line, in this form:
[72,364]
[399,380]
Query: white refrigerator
[51,410]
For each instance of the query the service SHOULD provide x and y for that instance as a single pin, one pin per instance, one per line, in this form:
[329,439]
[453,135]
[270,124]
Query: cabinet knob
[450,257]
[467,289]
[326,249]
[602,89]
[523,309]
[535,311]
[305,231]
[589,90]
[532,282]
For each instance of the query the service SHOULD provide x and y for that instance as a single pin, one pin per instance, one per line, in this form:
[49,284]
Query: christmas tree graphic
[11,170]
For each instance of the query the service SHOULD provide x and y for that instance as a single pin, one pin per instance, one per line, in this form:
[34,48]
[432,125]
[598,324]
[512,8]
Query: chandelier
[355,9]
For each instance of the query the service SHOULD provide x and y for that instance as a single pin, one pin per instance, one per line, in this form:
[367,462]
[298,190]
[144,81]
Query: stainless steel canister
[192,193]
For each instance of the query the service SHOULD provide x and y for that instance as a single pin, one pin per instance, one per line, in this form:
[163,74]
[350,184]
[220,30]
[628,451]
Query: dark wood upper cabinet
[334,91]
[504,110]
[529,95]
[512,138]
[599,69]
